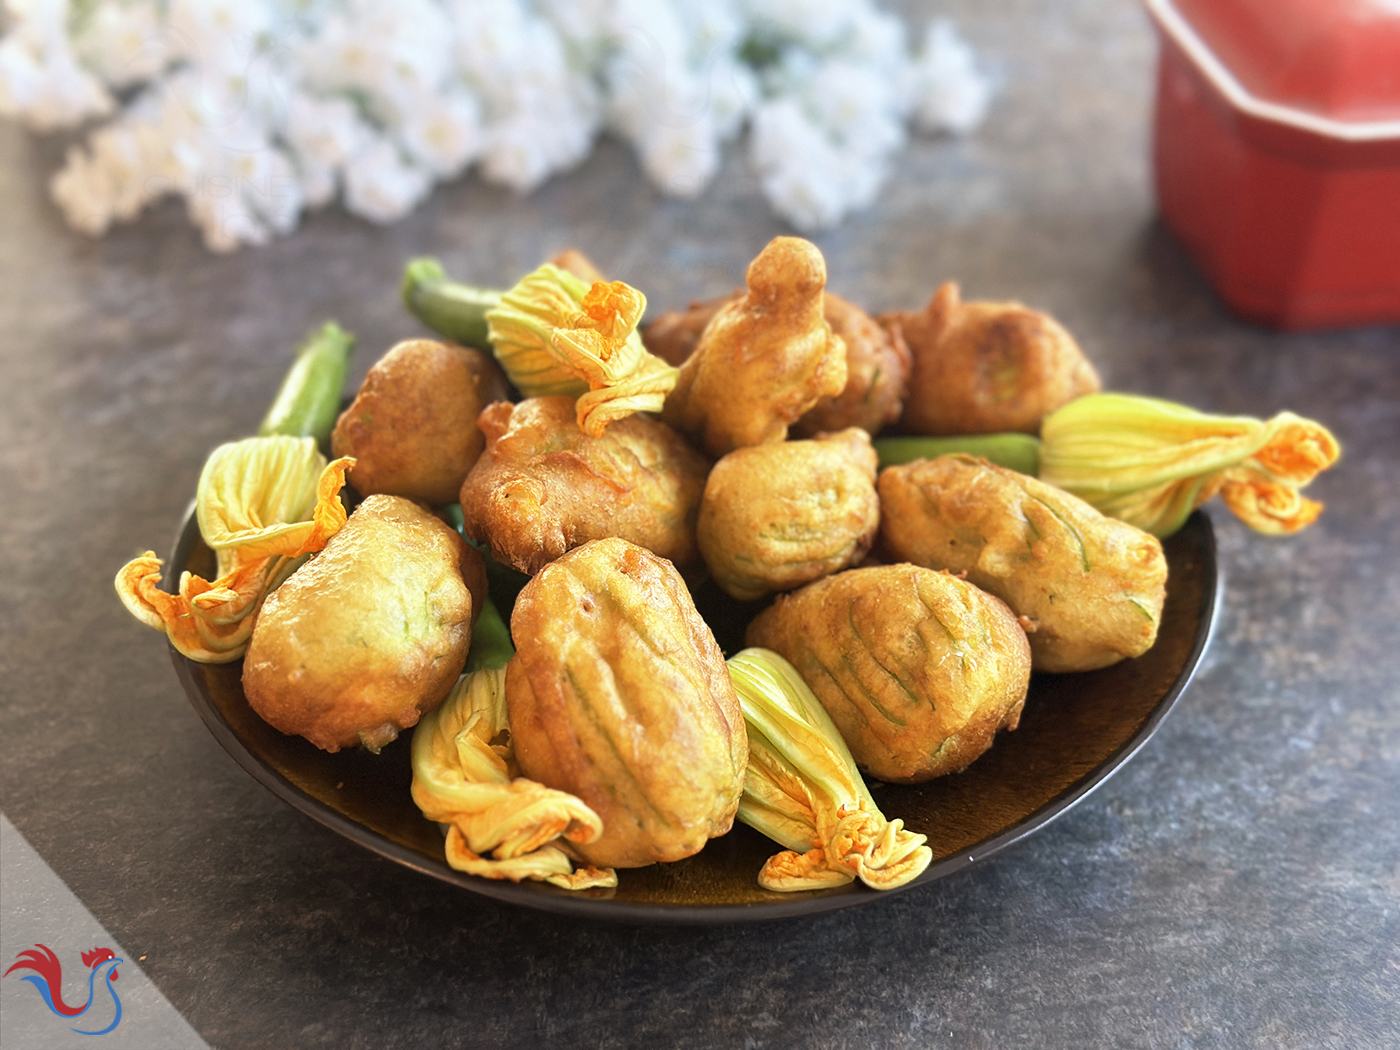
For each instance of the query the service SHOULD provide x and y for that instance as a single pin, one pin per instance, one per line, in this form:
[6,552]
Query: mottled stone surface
[1237,885]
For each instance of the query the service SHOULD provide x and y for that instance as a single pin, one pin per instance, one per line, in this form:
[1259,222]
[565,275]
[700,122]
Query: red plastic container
[1277,153]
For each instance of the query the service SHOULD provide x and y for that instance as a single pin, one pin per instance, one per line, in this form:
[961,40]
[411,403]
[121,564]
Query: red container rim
[1179,30]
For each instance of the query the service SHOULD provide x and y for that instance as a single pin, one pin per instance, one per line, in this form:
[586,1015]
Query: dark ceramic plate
[1075,731]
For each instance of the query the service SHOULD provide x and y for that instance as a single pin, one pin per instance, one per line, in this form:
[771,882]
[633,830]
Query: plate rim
[610,910]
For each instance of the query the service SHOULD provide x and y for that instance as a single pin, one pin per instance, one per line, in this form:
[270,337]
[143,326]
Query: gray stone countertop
[1236,885]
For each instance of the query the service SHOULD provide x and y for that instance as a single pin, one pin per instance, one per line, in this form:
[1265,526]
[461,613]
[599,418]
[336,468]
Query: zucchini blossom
[263,503]
[555,334]
[499,824]
[802,789]
[1151,462]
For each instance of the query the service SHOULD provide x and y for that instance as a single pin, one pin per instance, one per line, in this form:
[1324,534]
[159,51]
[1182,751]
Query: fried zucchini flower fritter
[1151,462]
[262,504]
[918,669]
[366,636]
[763,360]
[555,334]
[1089,588]
[499,824]
[803,791]
[985,367]
[877,361]
[877,373]
[543,486]
[779,515]
[412,426]
[618,694]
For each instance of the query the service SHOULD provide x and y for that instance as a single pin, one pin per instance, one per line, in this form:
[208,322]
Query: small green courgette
[454,310]
[1019,452]
[309,400]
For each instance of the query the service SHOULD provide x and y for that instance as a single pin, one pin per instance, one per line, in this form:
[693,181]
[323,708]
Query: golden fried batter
[763,360]
[877,371]
[619,695]
[412,427]
[779,515]
[1089,588]
[543,486]
[918,669]
[985,368]
[367,635]
[674,335]
[877,361]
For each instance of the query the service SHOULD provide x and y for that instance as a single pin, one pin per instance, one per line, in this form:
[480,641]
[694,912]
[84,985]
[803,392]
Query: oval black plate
[1076,730]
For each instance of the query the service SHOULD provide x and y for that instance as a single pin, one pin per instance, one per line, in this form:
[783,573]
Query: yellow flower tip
[614,305]
[262,503]
[644,390]
[138,586]
[589,878]
[880,853]
[1297,450]
[498,828]
[329,515]
[1269,507]
[792,872]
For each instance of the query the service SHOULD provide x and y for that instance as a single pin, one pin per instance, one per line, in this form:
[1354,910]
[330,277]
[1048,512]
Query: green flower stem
[1019,452]
[457,311]
[309,400]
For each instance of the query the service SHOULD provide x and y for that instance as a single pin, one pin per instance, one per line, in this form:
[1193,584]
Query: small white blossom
[442,131]
[124,43]
[41,80]
[380,186]
[951,95]
[253,110]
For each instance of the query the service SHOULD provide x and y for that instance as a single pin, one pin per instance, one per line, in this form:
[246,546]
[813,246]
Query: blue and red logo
[48,978]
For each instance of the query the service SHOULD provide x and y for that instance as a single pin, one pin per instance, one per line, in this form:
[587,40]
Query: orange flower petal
[1268,506]
[212,621]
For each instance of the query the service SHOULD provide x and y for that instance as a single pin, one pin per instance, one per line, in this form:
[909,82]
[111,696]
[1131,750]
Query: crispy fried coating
[918,669]
[412,427]
[618,694]
[763,360]
[878,362]
[986,368]
[543,486]
[779,515]
[1089,588]
[367,635]
[674,335]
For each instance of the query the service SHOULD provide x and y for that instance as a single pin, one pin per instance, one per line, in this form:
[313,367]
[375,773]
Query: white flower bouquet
[255,110]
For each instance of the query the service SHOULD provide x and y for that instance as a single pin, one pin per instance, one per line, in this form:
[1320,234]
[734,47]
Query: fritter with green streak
[1089,588]
[618,694]
[918,669]
[780,515]
[366,636]
[543,486]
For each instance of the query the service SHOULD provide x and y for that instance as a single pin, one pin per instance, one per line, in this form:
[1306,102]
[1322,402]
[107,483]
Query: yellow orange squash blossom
[802,789]
[554,334]
[262,504]
[499,825]
[1151,462]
